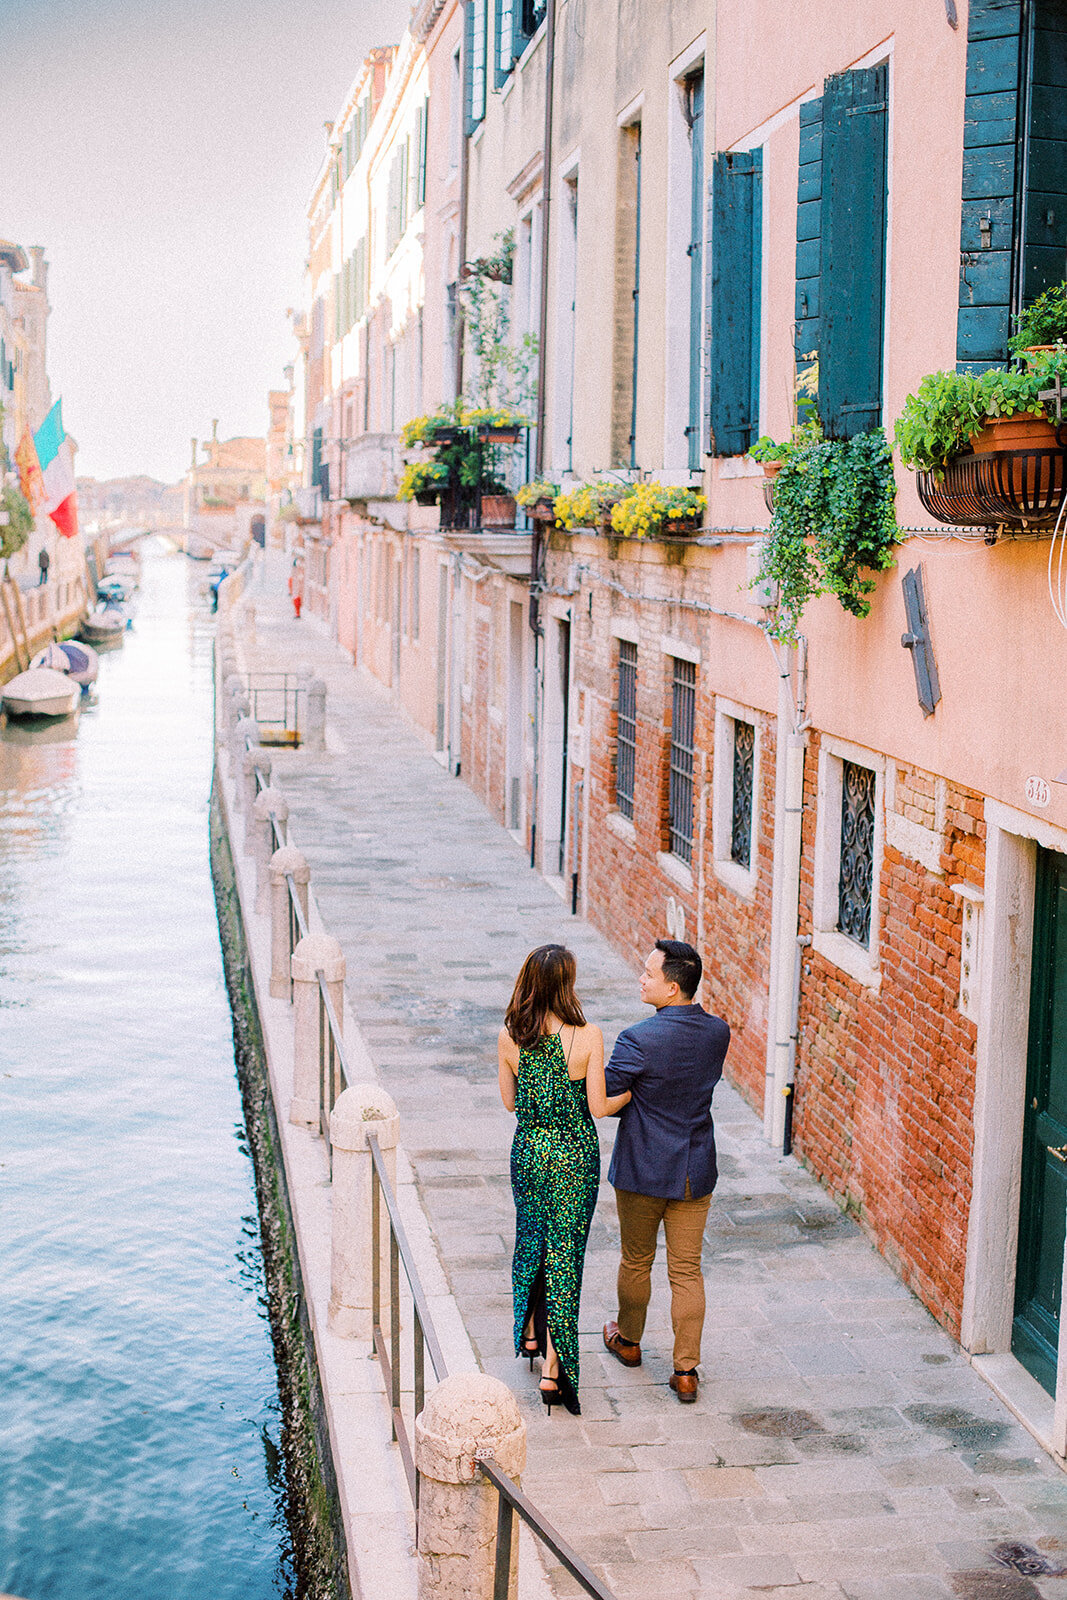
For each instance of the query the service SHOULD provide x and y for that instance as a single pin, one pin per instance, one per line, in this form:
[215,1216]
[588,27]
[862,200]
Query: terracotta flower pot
[1025,431]
[542,511]
[682,525]
[498,511]
[771,469]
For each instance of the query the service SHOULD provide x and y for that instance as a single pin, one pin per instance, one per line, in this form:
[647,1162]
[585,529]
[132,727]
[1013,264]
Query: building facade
[720,221]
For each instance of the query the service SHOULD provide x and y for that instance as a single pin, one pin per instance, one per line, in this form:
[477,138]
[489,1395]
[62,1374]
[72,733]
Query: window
[694,88]
[849,843]
[475,42]
[741,794]
[841,247]
[628,285]
[1014,222]
[736,244]
[857,852]
[626,729]
[680,784]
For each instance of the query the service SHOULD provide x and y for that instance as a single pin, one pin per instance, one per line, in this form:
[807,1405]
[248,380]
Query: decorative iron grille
[680,790]
[857,853]
[741,811]
[626,735]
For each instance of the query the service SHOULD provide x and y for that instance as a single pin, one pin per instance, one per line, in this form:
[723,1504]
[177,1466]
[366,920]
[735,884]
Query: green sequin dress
[555,1175]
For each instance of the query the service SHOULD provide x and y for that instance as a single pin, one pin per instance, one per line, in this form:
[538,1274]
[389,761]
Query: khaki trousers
[683,1223]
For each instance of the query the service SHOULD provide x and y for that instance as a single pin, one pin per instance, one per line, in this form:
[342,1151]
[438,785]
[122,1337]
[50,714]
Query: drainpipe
[536,551]
[461,245]
[785,949]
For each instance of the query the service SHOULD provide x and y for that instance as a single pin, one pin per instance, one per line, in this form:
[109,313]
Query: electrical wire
[1057,586]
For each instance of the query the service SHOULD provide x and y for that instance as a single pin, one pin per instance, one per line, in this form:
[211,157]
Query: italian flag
[57,468]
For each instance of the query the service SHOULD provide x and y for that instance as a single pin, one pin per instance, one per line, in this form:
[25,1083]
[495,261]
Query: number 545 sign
[1038,792]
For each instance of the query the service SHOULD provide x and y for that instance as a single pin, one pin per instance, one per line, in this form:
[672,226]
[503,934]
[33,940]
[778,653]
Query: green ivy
[19,525]
[833,524]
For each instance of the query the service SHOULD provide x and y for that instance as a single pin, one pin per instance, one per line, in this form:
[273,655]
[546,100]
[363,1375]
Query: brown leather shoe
[686,1386]
[629,1354]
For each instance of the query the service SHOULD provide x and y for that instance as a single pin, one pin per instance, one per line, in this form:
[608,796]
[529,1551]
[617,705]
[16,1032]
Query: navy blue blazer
[670,1063]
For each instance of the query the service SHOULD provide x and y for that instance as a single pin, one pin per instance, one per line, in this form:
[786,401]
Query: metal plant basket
[1023,488]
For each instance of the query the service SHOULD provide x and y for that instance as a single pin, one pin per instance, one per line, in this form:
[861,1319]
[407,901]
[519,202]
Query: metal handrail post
[505,1523]
[394,1322]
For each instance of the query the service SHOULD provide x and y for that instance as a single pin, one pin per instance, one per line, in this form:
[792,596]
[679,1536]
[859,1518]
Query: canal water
[139,1416]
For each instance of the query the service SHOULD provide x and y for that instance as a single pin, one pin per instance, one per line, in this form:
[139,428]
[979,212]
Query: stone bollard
[315,730]
[243,729]
[316,952]
[256,760]
[362,1109]
[232,689]
[288,861]
[468,1415]
[262,833]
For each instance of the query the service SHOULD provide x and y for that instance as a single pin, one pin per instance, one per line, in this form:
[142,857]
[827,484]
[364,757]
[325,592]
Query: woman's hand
[601,1104]
[507,1055]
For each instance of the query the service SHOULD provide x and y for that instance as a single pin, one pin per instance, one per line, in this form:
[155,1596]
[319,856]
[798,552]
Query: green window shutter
[852,251]
[474,64]
[809,234]
[990,141]
[506,39]
[735,207]
[424,125]
[336,306]
[403,186]
[1044,226]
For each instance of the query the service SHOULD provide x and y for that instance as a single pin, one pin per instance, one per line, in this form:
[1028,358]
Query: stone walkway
[841,1446]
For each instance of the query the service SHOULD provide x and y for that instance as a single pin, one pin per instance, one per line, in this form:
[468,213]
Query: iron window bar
[1023,488]
[682,752]
[741,808]
[626,729]
[857,853]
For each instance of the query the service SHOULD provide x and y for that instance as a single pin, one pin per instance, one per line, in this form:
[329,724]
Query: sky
[163,152]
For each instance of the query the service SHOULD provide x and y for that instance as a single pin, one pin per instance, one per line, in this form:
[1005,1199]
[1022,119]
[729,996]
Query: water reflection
[138,1453]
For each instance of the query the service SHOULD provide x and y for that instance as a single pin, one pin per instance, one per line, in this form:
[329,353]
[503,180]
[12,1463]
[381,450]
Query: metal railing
[274,698]
[334,1078]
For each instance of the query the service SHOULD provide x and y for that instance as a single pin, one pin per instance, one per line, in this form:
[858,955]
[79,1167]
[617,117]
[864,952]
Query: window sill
[622,827]
[742,880]
[675,869]
[849,956]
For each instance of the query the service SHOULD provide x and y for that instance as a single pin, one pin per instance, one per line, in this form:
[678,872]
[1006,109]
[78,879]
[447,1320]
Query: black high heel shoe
[531,1349]
[550,1397]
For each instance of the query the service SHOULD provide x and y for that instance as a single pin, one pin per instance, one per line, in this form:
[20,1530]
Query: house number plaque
[1038,792]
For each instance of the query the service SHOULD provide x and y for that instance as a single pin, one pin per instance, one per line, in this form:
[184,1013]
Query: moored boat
[105,625]
[40,692]
[79,661]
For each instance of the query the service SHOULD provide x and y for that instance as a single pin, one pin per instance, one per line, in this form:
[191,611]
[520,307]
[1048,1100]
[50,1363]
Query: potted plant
[954,412]
[833,525]
[537,499]
[590,505]
[423,482]
[1042,326]
[651,510]
[16,521]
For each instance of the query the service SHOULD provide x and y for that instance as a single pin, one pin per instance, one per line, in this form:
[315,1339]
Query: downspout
[785,918]
[536,549]
[461,242]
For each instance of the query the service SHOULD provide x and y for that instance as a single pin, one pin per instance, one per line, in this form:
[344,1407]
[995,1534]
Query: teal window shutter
[474,59]
[506,39]
[736,239]
[423,127]
[988,220]
[1044,222]
[852,251]
[809,234]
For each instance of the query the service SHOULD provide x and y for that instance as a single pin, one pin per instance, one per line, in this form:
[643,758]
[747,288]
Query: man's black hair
[681,965]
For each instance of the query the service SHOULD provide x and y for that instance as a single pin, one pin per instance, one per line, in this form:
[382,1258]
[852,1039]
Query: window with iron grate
[680,785]
[741,807]
[626,729]
[857,852]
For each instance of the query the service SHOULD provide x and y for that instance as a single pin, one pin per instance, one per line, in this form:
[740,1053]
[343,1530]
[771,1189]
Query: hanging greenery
[502,370]
[19,524]
[833,525]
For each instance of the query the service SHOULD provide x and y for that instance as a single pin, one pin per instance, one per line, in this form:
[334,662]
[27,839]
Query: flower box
[498,511]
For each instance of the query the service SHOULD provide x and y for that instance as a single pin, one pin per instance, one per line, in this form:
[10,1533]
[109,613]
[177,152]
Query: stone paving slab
[842,1447]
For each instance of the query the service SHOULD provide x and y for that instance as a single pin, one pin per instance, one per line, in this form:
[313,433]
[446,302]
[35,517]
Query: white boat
[79,660]
[40,692]
[104,625]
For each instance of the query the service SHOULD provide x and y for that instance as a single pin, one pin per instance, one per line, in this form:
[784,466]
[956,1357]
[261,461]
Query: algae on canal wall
[315,1520]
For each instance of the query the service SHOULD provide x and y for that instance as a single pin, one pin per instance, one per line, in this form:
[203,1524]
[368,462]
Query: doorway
[516,706]
[1043,1189]
[556,735]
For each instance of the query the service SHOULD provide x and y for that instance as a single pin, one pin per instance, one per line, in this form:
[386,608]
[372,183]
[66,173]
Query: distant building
[222,493]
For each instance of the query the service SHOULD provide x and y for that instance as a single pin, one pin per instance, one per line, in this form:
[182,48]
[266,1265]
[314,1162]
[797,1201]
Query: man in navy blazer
[663,1168]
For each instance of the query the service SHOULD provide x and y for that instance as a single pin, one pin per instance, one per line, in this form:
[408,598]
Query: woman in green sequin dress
[551,1065]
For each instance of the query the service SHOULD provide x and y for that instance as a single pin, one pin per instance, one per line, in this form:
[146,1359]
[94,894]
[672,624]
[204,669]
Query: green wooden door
[1043,1197]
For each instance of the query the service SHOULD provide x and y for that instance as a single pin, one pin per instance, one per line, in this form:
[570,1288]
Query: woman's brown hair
[544,988]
